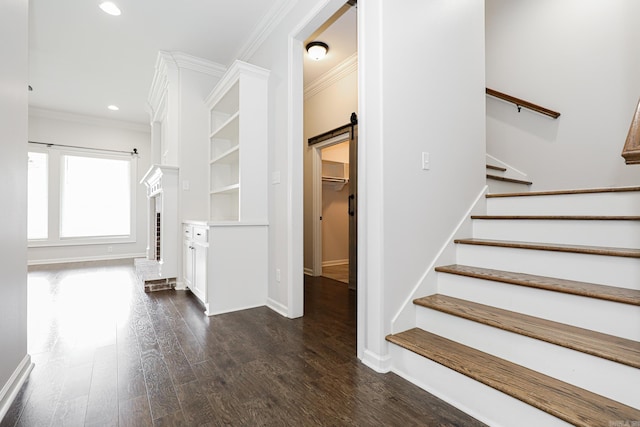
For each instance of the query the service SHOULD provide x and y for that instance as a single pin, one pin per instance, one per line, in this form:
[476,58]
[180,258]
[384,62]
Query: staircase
[538,323]
[500,180]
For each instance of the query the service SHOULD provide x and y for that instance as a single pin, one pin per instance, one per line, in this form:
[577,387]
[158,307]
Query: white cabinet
[238,145]
[226,264]
[195,259]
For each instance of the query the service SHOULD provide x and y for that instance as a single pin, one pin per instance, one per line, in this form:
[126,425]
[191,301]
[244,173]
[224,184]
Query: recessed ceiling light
[113,107]
[110,7]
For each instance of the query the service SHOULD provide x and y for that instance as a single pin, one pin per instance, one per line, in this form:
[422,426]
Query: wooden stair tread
[505,179]
[561,217]
[497,168]
[591,290]
[565,401]
[560,192]
[556,247]
[606,346]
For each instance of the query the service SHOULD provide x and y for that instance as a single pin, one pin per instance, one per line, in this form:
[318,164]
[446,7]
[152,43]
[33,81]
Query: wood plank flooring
[107,354]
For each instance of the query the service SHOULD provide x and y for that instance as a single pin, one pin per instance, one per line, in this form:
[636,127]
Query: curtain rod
[48,144]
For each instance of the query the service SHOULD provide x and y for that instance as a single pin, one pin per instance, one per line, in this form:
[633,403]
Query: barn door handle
[352,198]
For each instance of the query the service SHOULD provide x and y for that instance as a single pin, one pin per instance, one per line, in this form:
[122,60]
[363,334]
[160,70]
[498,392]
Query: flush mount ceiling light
[109,7]
[317,50]
[113,107]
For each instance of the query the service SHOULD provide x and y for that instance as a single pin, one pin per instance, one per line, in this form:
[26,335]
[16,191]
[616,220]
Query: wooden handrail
[522,103]
[631,150]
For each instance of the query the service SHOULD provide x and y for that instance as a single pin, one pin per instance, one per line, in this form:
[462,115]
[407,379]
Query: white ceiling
[82,60]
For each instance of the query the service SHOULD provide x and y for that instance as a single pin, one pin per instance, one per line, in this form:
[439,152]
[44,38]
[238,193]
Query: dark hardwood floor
[107,354]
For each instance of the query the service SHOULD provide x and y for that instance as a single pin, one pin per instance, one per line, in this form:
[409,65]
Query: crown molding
[87,120]
[332,76]
[168,65]
[231,76]
[193,63]
[164,64]
[270,21]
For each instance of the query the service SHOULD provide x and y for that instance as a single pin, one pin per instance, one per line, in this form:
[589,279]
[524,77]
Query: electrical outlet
[109,249]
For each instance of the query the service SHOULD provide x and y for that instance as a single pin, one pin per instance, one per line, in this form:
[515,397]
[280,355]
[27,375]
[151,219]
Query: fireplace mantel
[161,265]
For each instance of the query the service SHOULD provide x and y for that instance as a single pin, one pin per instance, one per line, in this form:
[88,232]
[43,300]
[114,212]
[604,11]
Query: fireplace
[160,268]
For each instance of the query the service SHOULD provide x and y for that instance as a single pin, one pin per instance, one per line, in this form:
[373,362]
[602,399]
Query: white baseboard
[381,364]
[308,271]
[335,262]
[84,259]
[281,309]
[12,387]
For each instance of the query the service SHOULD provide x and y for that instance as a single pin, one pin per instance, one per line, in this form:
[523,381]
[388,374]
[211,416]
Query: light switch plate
[425,160]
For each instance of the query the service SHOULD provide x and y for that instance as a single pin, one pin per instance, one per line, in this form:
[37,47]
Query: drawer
[200,234]
[187,231]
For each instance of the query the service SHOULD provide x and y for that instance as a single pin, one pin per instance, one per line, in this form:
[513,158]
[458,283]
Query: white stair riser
[621,234]
[620,203]
[495,186]
[482,402]
[605,270]
[610,379]
[622,320]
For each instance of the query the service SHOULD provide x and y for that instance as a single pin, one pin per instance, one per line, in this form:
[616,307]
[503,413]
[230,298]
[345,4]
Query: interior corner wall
[578,57]
[324,111]
[13,192]
[194,144]
[74,130]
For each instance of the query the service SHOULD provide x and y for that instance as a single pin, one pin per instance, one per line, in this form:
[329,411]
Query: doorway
[334,213]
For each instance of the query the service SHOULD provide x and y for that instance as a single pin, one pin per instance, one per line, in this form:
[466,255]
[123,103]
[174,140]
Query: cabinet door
[188,267]
[200,275]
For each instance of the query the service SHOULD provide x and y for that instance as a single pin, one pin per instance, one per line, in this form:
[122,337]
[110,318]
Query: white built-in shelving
[238,145]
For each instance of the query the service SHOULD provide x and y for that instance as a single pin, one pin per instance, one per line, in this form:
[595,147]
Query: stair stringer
[405,318]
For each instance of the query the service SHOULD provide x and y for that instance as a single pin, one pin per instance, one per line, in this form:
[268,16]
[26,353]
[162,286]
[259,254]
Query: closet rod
[48,144]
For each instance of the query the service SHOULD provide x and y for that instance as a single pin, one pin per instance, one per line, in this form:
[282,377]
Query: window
[38,196]
[79,197]
[95,197]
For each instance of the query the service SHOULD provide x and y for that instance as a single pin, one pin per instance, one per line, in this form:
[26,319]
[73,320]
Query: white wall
[578,57]
[62,128]
[424,92]
[13,193]
[324,111]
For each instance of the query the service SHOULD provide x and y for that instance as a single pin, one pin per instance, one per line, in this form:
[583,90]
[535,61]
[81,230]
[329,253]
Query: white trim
[87,120]
[308,271]
[337,73]
[84,259]
[505,165]
[12,387]
[378,363]
[335,262]
[316,200]
[230,78]
[264,28]
[277,307]
[189,62]
[295,156]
